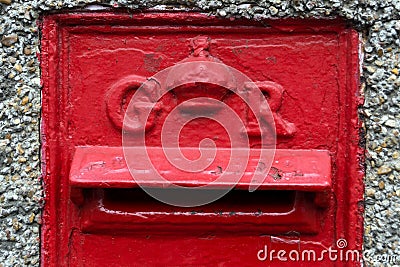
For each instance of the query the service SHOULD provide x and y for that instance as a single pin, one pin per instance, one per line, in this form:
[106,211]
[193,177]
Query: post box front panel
[85,56]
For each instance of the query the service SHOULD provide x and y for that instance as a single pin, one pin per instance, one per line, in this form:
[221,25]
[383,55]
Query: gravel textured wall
[20,185]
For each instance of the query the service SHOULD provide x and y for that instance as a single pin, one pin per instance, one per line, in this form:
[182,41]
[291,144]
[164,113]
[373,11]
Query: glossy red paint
[308,69]
[104,167]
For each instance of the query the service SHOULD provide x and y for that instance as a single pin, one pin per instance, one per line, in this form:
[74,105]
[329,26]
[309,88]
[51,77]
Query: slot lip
[105,167]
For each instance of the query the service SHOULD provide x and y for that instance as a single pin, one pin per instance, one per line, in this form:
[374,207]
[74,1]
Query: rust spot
[275,173]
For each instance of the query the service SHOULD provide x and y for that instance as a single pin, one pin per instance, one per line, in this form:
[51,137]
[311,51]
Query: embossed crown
[212,80]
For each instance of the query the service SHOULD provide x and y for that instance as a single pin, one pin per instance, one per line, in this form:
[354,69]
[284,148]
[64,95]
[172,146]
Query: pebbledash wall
[21,194]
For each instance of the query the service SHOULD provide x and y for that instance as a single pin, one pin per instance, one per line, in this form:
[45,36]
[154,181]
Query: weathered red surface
[86,59]
[104,167]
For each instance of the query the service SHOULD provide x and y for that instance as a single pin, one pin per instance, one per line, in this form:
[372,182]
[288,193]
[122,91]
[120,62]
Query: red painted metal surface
[129,212]
[105,167]
[91,65]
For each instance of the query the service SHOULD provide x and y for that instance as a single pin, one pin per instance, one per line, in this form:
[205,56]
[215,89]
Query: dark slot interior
[236,201]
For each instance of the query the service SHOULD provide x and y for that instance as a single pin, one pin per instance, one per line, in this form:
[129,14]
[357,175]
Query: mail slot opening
[294,195]
[130,210]
[131,200]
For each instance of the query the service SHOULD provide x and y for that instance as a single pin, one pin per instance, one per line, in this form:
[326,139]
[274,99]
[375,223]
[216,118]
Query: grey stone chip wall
[21,196]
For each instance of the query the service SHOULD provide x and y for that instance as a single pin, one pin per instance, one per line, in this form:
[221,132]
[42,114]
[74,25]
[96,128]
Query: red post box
[306,211]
